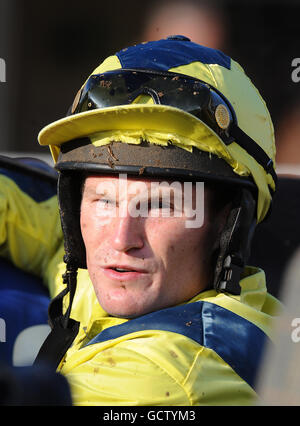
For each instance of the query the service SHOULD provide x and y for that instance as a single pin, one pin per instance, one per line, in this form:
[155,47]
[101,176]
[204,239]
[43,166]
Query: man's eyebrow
[88,190]
[93,191]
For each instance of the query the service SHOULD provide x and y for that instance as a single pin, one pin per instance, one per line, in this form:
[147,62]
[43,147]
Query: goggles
[125,86]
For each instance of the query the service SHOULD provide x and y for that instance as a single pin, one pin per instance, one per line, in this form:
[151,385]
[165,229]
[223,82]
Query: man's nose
[127,234]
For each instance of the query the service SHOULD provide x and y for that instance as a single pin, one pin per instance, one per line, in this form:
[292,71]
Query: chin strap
[235,243]
[63,328]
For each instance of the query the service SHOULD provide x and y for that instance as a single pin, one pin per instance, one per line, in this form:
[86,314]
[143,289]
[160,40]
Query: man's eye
[104,202]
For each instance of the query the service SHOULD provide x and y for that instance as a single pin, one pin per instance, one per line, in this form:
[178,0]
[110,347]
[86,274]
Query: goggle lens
[123,87]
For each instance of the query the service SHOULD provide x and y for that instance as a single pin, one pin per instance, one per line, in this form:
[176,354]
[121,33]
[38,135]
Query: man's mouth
[124,272]
[125,268]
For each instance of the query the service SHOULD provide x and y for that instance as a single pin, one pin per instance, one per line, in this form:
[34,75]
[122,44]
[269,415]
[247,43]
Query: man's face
[143,262]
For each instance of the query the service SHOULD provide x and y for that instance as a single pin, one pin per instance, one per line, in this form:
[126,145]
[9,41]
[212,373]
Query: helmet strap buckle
[235,242]
[231,272]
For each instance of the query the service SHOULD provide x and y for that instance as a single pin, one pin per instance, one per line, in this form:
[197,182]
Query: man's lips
[125,268]
[123,272]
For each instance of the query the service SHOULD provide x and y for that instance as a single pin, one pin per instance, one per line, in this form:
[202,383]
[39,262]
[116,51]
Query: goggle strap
[254,150]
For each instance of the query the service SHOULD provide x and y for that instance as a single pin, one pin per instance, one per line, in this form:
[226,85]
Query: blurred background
[49,48]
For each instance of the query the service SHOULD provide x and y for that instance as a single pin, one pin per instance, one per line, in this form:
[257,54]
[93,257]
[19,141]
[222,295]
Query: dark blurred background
[50,47]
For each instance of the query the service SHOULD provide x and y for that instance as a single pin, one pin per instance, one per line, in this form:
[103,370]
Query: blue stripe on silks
[236,340]
[165,54]
[38,189]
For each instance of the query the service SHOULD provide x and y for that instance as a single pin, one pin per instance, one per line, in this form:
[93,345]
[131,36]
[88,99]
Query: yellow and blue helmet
[173,109]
